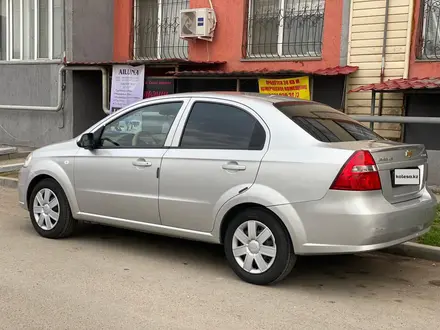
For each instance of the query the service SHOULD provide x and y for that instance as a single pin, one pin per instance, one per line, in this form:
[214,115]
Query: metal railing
[397,119]
[429,38]
[283,28]
[156,30]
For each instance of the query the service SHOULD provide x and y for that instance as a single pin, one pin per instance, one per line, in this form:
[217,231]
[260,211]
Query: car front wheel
[50,211]
[258,247]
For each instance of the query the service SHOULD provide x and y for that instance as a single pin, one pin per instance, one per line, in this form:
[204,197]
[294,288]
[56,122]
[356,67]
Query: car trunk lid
[402,167]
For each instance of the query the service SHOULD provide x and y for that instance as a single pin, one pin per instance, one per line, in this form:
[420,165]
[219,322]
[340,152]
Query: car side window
[220,126]
[146,127]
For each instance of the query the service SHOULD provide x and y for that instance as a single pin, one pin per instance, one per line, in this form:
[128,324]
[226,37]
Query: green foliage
[433,236]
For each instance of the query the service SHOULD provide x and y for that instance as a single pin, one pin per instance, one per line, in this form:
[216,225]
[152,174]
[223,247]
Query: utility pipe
[384,46]
[408,38]
[60,98]
[105,83]
[61,91]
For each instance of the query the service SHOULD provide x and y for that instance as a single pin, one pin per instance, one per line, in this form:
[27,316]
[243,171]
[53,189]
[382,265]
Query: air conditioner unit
[197,23]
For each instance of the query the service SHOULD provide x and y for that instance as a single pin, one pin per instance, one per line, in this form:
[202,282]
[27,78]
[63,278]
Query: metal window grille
[284,28]
[156,30]
[429,43]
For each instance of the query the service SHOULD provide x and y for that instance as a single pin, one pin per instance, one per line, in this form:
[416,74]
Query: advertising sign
[294,87]
[158,86]
[127,85]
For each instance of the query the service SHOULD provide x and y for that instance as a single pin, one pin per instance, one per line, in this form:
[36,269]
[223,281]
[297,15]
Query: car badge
[408,154]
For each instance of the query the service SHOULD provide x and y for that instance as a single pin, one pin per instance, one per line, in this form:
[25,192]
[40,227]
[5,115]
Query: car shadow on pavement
[368,275]
[363,275]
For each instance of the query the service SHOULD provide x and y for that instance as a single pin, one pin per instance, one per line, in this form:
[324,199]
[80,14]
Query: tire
[49,227]
[278,244]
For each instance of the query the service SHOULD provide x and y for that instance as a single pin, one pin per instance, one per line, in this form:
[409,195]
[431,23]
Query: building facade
[379,44]
[252,39]
[57,55]
[396,43]
[38,103]
[341,45]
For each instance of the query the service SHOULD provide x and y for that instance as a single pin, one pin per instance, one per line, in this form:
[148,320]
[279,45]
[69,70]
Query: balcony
[429,41]
[156,33]
[284,29]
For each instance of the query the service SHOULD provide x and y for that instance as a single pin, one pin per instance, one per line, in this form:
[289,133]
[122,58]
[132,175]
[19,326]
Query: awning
[334,71]
[168,61]
[401,85]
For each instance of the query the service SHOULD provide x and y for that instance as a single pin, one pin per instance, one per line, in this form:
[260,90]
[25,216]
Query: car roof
[241,97]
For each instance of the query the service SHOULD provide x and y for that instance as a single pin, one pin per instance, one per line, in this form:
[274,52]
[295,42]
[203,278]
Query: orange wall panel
[417,68]
[228,39]
[123,17]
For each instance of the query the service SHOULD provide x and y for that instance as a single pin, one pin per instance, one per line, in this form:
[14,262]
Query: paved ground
[113,279]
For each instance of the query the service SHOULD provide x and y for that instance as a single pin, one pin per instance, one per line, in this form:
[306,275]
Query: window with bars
[429,45]
[284,28]
[156,29]
[31,29]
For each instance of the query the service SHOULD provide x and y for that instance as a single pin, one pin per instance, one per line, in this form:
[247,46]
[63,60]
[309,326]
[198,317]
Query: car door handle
[141,163]
[233,167]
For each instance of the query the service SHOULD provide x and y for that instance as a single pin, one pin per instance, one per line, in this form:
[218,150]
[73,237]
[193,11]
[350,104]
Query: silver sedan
[268,177]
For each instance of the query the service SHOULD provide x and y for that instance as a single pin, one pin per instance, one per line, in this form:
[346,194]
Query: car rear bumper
[350,222]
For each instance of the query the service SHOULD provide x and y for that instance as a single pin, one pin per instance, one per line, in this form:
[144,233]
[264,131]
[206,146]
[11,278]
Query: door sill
[149,227]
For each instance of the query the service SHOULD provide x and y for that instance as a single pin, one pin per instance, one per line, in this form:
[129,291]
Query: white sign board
[127,85]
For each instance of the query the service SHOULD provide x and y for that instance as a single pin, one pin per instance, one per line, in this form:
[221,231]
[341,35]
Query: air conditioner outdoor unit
[197,23]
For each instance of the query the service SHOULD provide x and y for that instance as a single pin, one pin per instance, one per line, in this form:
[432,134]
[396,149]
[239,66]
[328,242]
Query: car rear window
[325,123]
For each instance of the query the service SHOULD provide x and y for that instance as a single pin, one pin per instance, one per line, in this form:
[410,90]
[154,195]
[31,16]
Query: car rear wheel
[258,247]
[50,211]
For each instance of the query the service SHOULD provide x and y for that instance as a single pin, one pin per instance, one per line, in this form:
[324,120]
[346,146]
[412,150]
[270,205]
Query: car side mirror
[87,141]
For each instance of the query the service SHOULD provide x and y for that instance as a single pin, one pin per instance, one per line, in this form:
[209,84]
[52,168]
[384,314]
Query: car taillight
[358,174]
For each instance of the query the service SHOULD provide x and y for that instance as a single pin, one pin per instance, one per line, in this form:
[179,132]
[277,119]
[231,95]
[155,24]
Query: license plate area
[405,177]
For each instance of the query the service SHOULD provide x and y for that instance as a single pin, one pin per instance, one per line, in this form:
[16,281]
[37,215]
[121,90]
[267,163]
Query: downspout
[105,83]
[408,38]
[61,90]
[384,45]
[350,20]
[406,65]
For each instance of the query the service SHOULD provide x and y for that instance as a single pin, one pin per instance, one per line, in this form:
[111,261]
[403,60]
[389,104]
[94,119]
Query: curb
[11,167]
[15,155]
[7,150]
[415,250]
[8,182]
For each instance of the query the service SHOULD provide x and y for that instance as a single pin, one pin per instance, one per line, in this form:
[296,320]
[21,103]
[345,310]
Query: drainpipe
[105,83]
[408,38]
[61,90]
[384,45]
[60,98]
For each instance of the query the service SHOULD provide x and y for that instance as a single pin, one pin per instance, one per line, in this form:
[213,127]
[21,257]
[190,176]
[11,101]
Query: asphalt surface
[114,279]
